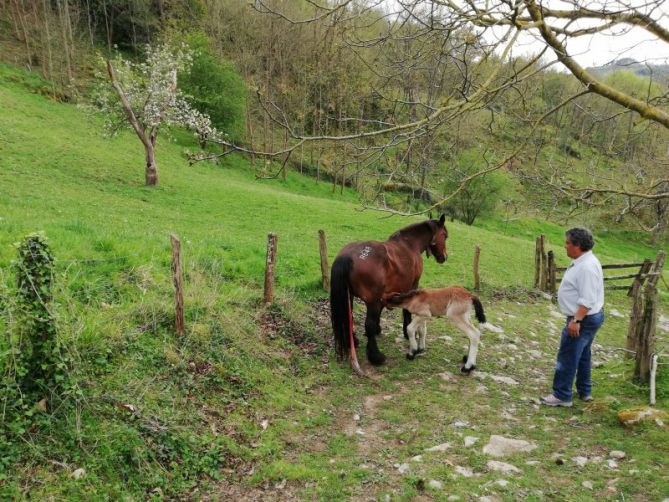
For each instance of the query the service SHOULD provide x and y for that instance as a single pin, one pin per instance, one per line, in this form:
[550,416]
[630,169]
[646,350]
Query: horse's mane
[413,229]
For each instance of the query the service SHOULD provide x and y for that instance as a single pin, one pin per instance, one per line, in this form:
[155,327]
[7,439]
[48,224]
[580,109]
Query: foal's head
[439,235]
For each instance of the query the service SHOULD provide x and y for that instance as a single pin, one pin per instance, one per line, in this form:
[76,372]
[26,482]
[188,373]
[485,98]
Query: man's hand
[573,329]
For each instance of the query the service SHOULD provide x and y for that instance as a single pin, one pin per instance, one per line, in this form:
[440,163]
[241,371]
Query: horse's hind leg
[372,330]
[469,360]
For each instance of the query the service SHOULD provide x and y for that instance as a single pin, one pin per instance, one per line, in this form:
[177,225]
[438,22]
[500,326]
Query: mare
[454,302]
[370,270]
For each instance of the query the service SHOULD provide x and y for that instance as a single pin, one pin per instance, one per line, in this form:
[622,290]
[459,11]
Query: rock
[440,447]
[470,440]
[404,468]
[464,471]
[617,454]
[489,498]
[499,446]
[453,497]
[356,418]
[496,378]
[643,414]
[580,461]
[435,485]
[495,465]
[78,473]
[502,482]
[615,313]
[612,464]
[460,424]
[532,462]
[417,458]
[587,484]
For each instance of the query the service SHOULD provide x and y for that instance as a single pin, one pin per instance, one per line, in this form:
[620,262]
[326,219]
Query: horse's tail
[340,304]
[478,310]
[398,299]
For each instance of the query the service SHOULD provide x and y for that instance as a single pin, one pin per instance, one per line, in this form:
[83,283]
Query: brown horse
[371,270]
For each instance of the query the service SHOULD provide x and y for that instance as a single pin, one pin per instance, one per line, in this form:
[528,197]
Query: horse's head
[437,246]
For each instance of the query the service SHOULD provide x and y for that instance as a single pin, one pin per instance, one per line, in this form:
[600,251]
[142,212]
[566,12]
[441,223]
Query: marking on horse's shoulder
[366,251]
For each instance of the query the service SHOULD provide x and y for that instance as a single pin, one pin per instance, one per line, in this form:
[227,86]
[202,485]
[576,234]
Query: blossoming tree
[145,97]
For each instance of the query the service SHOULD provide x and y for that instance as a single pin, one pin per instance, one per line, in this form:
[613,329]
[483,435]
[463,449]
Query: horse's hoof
[420,351]
[376,359]
[466,371]
[464,358]
[410,357]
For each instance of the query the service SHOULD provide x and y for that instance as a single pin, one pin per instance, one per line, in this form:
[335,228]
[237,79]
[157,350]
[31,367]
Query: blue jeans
[574,359]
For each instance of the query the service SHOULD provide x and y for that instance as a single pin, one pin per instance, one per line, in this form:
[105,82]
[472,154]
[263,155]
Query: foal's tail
[340,304]
[478,310]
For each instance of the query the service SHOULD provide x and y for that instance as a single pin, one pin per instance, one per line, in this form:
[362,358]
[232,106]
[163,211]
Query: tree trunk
[151,173]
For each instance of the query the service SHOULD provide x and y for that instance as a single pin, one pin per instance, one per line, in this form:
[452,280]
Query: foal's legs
[423,335]
[372,330]
[462,321]
[406,319]
[419,324]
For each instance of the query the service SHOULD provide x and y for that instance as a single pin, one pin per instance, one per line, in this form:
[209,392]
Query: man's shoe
[586,399]
[554,401]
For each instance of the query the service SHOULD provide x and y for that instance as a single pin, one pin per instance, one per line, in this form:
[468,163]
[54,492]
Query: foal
[454,302]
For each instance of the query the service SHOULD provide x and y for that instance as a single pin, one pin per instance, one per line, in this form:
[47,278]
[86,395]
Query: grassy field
[250,404]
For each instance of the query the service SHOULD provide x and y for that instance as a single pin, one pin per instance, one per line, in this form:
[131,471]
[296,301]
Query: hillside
[250,403]
[659,73]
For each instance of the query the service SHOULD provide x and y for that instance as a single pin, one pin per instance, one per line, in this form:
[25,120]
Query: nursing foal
[454,302]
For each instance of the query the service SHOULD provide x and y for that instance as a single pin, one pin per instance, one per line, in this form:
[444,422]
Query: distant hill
[660,73]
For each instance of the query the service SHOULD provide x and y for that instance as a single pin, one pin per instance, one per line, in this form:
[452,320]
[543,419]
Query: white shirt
[582,284]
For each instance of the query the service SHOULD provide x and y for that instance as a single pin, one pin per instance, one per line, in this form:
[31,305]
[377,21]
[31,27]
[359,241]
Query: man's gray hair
[581,237]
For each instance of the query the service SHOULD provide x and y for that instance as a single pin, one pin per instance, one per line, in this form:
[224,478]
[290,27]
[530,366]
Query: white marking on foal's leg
[411,331]
[463,322]
[423,336]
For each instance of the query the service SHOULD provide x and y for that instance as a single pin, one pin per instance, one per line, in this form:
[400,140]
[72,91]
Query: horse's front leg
[414,348]
[406,319]
[372,330]
[422,330]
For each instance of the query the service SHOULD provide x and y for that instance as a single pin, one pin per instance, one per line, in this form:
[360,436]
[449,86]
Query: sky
[595,50]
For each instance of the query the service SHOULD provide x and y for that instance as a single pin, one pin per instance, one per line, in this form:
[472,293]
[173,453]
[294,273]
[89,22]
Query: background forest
[266,77]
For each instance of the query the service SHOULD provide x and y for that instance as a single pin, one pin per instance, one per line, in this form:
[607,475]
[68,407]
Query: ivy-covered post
[37,326]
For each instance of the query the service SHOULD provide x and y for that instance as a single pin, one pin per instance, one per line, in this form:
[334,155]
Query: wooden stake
[269,267]
[537,264]
[178,288]
[477,275]
[543,274]
[646,340]
[551,273]
[635,293]
[325,270]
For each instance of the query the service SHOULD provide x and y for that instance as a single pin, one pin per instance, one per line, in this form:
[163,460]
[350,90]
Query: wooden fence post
[537,264]
[635,293]
[544,263]
[646,340]
[477,276]
[551,273]
[269,267]
[325,269]
[178,284]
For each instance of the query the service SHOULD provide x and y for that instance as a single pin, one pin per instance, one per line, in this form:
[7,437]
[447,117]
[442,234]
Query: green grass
[251,397]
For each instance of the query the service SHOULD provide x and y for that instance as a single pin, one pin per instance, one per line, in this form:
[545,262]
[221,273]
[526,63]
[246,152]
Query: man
[581,298]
